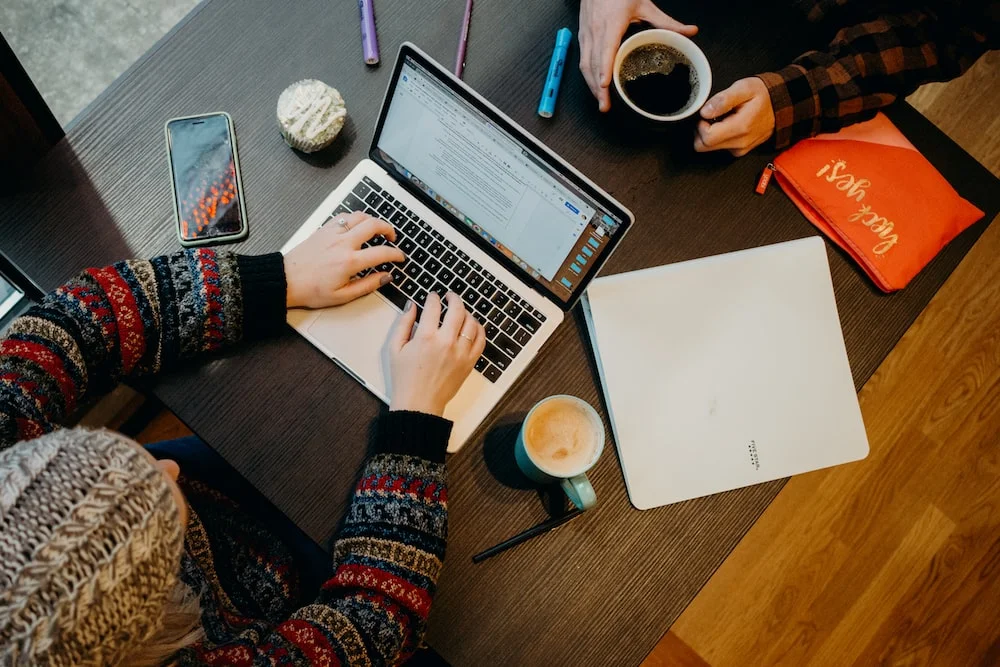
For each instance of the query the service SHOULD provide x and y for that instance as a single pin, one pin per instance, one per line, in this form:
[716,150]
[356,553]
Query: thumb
[726,100]
[651,14]
[403,328]
[358,288]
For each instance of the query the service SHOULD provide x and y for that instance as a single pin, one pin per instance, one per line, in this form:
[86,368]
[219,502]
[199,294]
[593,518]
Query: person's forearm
[131,319]
[871,65]
[392,542]
[391,550]
[386,559]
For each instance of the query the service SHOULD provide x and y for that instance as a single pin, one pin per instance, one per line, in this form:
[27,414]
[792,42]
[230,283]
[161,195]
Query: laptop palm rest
[354,334]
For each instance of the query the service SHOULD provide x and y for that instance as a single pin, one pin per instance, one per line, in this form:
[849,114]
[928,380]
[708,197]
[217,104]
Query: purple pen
[369,37]
[463,40]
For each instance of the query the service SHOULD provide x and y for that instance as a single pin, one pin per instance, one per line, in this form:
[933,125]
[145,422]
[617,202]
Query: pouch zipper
[765,178]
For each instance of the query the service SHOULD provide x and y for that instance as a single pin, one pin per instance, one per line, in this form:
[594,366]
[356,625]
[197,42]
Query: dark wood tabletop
[602,589]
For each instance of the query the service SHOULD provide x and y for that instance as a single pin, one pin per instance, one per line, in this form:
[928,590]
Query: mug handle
[580,491]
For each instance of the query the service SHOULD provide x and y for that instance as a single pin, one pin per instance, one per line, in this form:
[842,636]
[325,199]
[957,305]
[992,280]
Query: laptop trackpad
[354,335]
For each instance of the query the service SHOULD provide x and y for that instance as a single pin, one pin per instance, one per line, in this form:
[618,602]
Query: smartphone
[205,177]
[17,292]
[11,299]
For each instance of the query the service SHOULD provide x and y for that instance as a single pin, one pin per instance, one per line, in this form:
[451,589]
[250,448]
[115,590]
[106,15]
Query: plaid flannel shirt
[870,64]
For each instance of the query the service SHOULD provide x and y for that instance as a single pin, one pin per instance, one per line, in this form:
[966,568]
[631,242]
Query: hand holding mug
[749,124]
[602,25]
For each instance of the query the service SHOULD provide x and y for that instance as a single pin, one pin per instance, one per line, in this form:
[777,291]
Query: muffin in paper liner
[310,115]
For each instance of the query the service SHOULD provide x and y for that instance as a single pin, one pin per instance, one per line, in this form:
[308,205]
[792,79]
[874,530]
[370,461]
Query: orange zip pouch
[874,195]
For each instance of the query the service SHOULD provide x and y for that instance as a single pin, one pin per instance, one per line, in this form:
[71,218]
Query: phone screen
[10,296]
[205,179]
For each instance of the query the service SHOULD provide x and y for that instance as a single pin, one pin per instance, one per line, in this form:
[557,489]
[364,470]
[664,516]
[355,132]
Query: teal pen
[547,105]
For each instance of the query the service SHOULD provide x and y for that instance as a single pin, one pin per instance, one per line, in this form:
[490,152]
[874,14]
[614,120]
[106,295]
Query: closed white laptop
[725,371]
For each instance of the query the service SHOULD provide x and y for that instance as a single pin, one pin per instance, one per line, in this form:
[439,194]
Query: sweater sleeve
[132,319]
[871,65]
[386,560]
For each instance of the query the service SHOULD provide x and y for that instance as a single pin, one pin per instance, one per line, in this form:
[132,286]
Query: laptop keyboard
[435,264]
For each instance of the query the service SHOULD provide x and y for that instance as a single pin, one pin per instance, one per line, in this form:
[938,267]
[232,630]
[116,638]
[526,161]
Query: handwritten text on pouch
[854,188]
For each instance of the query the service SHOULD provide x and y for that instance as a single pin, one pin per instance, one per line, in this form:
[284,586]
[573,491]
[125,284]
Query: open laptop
[480,208]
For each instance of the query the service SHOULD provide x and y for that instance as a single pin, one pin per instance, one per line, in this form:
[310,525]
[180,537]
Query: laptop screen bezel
[537,149]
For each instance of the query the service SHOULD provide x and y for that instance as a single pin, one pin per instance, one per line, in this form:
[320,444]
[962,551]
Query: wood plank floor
[896,559]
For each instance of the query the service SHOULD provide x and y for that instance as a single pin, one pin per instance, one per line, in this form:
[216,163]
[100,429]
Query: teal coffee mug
[560,440]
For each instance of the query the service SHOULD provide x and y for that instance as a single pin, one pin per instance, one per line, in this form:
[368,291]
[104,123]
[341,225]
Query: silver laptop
[480,208]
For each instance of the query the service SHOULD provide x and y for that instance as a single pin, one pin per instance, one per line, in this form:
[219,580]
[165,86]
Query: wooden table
[605,587]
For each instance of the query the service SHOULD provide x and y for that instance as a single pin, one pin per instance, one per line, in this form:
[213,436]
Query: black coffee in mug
[659,79]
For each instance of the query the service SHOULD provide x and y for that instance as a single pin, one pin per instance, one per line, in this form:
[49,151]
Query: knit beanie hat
[90,547]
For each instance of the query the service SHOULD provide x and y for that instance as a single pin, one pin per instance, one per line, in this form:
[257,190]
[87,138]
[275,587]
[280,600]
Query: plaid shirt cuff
[795,104]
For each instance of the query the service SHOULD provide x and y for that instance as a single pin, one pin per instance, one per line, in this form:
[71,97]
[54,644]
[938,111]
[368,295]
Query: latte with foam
[562,437]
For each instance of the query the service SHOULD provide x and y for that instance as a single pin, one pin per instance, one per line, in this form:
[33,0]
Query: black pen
[534,531]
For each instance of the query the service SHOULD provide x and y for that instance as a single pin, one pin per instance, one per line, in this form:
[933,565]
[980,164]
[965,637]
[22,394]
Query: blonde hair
[180,628]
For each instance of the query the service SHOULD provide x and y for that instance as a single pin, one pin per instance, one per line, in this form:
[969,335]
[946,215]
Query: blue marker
[547,105]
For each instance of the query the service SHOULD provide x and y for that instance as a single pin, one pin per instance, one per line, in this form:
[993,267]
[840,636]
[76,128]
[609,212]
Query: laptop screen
[495,184]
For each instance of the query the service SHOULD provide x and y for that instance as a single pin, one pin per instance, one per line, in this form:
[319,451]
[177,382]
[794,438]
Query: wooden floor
[896,559]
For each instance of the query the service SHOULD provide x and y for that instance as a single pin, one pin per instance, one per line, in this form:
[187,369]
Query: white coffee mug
[688,49]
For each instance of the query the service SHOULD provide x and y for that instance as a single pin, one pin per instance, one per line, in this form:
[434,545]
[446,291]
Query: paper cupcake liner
[303,145]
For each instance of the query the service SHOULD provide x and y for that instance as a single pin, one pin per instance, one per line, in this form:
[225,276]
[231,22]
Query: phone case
[229,238]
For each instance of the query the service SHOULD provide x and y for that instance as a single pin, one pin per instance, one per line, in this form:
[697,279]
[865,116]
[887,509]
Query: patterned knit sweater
[137,318]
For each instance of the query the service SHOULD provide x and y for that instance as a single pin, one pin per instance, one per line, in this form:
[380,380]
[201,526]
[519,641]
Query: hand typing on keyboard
[428,365]
[434,264]
[320,271]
